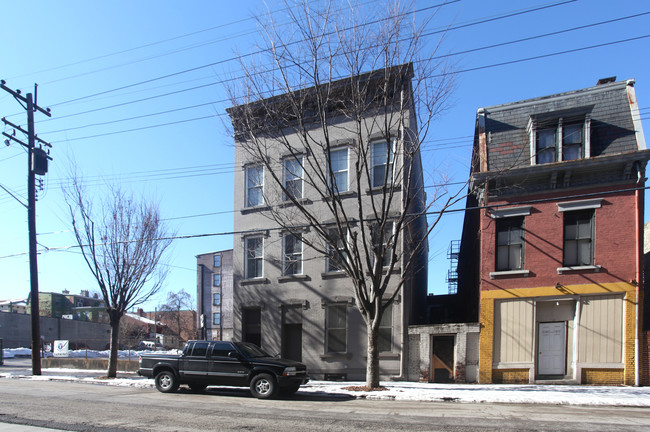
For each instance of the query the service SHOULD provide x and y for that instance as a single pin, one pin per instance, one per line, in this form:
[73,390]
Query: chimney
[141,312]
[85,293]
[65,292]
[606,80]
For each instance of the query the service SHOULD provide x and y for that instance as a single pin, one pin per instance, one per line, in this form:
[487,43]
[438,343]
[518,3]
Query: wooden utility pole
[36,164]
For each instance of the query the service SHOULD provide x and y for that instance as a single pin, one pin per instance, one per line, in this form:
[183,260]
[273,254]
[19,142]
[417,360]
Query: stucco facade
[309,311]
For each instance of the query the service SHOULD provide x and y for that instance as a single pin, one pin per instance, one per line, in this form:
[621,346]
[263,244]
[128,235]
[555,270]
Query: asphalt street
[75,406]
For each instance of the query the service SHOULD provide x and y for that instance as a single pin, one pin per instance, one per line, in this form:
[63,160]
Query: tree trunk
[372,365]
[115,318]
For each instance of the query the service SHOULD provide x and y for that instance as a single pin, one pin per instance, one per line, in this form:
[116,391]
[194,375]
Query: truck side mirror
[234,355]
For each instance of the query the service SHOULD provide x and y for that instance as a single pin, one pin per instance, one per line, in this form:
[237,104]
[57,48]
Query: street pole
[31,223]
[31,106]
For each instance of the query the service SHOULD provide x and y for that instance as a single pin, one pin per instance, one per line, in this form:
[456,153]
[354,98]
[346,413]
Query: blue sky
[80,52]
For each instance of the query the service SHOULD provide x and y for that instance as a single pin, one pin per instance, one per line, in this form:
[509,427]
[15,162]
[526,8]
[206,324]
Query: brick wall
[510,376]
[602,376]
[614,247]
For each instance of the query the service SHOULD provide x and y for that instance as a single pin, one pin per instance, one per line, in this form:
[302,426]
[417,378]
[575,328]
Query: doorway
[442,359]
[292,332]
[551,358]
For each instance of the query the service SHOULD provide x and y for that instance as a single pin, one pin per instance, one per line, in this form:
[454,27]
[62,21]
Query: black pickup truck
[239,364]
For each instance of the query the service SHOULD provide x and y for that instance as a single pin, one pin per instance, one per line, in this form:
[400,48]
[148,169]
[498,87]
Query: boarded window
[600,329]
[513,331]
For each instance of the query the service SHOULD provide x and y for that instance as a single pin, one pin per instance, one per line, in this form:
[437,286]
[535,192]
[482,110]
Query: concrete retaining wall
[94,363]
[16,330]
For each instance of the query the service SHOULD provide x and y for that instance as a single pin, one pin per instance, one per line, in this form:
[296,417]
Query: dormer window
[559,139]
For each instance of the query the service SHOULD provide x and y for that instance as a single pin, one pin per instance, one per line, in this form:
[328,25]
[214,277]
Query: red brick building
[553,238]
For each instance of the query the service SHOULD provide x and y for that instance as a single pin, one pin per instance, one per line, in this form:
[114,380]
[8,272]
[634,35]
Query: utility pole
[36,164]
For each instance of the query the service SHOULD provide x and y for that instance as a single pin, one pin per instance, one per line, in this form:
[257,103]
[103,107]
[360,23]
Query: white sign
[61,348]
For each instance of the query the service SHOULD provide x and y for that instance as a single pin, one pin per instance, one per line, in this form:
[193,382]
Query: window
[217,261]
[336,254]
[291,254]
[510,244]
[578,238]
[216,299]
[382,155]
[254,257]
[338,177]
[336,328]
[254,186]
[572,142]
[545,146]
[293,178]
[216,279]
[383,242]
[200,349]
[222,349]
[386,330]
[216,318]
[563,138]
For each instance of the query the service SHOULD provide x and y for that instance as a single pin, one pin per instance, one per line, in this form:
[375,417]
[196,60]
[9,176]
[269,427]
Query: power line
[147,45]
[212,64]
[256,230]
[437,57]
[224,61]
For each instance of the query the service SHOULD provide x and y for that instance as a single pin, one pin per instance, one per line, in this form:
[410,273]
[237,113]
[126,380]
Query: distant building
[215,295]
[18,306]
[83,306]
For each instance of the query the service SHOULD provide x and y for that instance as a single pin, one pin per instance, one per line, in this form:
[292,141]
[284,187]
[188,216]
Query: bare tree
[122,241]
[368,75]
[172,311]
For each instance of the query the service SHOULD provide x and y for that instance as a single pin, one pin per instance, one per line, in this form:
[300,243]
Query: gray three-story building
[292,294]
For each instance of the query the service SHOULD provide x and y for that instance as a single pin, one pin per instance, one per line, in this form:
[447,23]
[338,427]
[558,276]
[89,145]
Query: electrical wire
[280,229]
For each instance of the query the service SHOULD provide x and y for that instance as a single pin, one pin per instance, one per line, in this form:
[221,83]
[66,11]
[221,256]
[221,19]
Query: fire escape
[452,273]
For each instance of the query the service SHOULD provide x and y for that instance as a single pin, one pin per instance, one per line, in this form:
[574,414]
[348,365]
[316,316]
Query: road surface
[83,407]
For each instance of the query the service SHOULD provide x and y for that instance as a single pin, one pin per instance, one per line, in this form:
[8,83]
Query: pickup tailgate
[149,361]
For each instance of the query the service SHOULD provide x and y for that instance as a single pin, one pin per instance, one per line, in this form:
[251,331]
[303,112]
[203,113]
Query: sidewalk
[461,393]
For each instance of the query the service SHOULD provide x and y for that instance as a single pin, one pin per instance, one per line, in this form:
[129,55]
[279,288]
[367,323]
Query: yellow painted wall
[487,325]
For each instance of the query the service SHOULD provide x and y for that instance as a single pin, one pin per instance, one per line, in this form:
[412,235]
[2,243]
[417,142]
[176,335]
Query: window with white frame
[292,178]
[254,257]
[217,260]
[382,154]
[216,318]
[578,238]
[254,186]
[339,164]
[216,299]
[386,330]
[559,139]
[336,328]
[336,254]
[291,254]
[216,279]
[510,243]
[382,241]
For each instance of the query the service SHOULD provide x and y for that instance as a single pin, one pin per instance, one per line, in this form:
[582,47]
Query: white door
[552,348]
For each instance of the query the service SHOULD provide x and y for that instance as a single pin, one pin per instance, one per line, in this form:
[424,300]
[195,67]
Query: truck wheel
[166,382]
[263,386]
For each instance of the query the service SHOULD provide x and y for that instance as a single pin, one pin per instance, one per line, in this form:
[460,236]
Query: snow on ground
[405,391]
[82,353]
[465,393]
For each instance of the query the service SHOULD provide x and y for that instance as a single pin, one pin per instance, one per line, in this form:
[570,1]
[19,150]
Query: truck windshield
[251,350]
